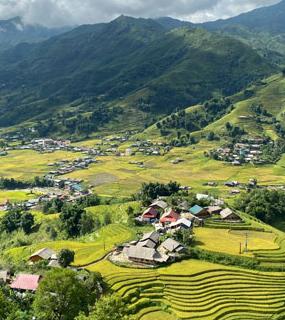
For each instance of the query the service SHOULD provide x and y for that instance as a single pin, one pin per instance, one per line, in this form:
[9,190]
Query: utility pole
[246,242]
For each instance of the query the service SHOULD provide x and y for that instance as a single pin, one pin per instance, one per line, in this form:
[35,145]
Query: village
[248,150]
[161,246]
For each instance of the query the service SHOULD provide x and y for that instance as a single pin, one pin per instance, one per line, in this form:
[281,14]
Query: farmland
[215,292]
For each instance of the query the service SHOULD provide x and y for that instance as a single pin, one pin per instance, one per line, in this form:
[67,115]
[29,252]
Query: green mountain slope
[240,112]
[266,19]
[263,29]
[132,63]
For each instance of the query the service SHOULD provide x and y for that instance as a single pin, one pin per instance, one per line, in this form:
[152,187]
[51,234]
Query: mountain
[263,29]
[136,65]
[169,23]
[15,31]
[266,19]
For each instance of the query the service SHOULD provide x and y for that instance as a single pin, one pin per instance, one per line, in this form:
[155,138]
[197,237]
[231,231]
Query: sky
[56,13]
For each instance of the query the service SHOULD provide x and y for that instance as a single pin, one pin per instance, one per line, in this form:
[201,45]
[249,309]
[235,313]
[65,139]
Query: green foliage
[151,191]
[109,307]
[7,308]
[159,84]
[65,257]
[223,258]
[61,295]
[16,219]
[70,218]
[184,236]
[265,205]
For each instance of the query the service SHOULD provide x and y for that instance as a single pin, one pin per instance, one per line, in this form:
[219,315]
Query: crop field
[26,164]
[14,196]
[198,290]
[229,241]
[88,250]
[114,176]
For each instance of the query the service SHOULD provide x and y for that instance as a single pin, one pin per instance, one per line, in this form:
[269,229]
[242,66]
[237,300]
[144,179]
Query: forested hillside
[130,63]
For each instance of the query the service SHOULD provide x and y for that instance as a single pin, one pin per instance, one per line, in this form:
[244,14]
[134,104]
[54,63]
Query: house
[198,211]
[42,254]
[194,220]
[228,214]
[149,214]
[214,210]
[184,205]
[149,240]
[172,246]
[144,255]
[169,216]
[26,282]
[181,224]
[159,204]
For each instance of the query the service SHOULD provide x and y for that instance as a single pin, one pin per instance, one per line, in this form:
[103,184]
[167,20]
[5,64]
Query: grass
[118,212]
[229,241]
[89,249]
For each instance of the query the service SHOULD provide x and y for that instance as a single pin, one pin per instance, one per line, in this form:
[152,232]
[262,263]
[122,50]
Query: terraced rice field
[199,290]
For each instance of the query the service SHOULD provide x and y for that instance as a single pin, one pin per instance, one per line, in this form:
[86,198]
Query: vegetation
[61,295]
[152,191]
[265,205]
[109,307]
[65,257]
[16,219]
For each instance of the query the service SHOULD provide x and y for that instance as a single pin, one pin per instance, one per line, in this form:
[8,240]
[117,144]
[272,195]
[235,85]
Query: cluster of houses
[247,151]
[23,283]
[148,148]
[167,219]
[68,190]
[149,250]
[65,166]
[51,145]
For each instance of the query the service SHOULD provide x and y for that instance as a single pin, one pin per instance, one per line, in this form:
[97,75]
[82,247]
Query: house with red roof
[26,282]
[169,216]
[150,214]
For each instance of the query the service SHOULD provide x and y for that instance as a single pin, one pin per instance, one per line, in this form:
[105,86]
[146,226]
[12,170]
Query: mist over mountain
[15,31]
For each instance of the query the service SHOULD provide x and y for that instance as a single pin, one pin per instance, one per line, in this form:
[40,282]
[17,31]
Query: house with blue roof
[199,212]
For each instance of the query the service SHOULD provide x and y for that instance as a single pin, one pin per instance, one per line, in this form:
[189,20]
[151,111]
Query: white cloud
[63,12]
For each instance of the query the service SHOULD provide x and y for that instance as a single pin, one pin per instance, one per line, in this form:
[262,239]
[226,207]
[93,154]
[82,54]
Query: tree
[109,307]
[283,72]
[7,308]
[16,219]
[66,257]
[61,296]
[27,222]
[87,224]
[70,218]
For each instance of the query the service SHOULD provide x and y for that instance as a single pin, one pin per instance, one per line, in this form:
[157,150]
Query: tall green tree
[110,307]
[65,257]
[61,296]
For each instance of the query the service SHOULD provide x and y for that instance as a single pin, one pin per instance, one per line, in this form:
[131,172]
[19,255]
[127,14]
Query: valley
[142,169]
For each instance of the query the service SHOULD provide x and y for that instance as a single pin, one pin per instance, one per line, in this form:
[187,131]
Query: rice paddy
[231,241]
[198,290]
